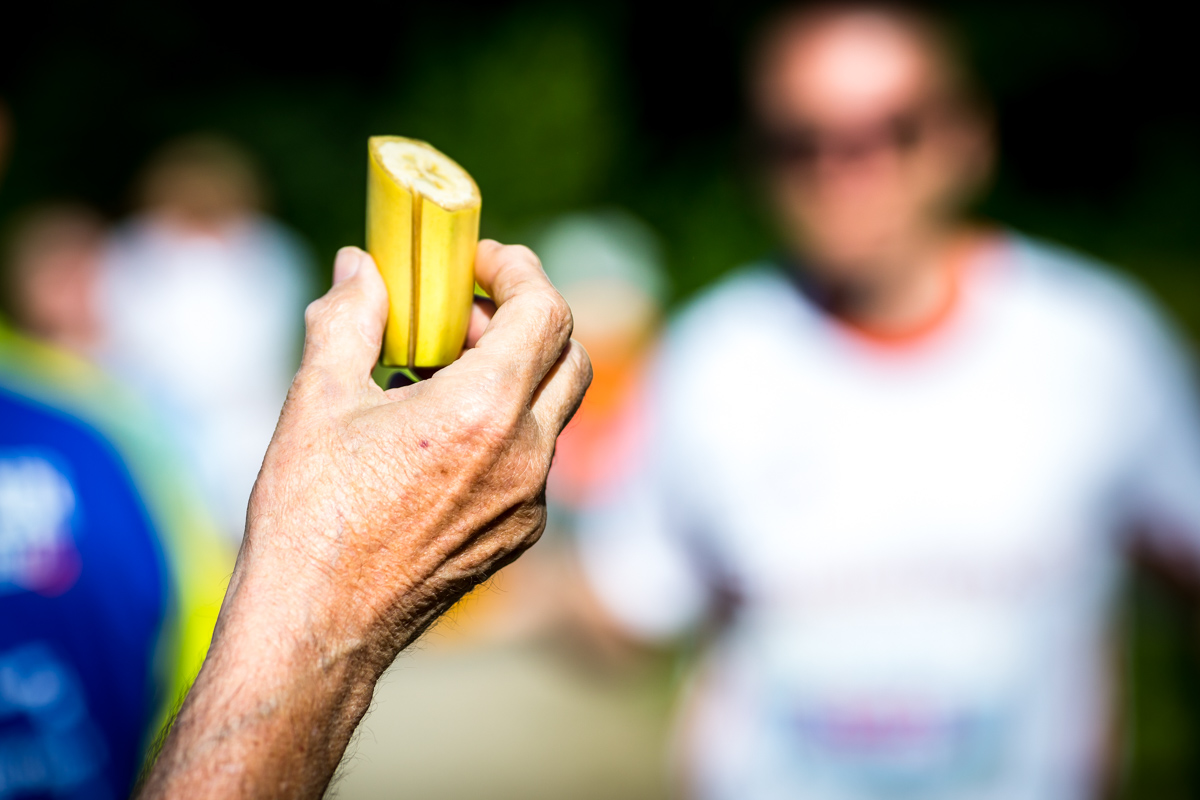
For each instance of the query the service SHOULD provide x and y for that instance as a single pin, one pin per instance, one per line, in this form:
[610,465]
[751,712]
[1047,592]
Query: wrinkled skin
[374,511]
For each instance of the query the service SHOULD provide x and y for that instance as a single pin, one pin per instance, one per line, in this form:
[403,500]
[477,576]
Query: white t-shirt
[208,329]
[922,545]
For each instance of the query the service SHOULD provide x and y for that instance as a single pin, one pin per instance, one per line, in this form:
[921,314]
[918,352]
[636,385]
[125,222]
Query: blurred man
[201,298]
[897,469]
[111,575]
[52,268]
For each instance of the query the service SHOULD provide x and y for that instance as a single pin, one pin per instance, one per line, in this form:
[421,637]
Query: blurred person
[52,267]
[200,298]
[111,574]
[894,474]
[608,267]
[607,264]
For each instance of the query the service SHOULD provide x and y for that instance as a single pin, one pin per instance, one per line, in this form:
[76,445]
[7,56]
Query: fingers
[344,328]
[481,314]
[501,268]
[562,390]
[532,324]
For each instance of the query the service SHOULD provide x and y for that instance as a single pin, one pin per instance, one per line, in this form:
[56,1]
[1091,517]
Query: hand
[387,506]
[374,511]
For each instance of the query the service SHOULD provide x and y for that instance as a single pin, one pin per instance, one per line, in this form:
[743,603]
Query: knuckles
[315,312]
[553,318]
[580,366]
[496,432]
[560,318]
[490,426]
[330,314]
[322,315]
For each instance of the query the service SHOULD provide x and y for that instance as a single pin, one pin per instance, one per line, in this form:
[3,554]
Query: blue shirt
[83,596]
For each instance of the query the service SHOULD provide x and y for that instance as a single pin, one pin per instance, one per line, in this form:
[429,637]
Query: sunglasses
[802,145]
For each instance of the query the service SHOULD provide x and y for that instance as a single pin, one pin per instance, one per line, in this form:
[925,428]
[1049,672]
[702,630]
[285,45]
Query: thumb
[344,328]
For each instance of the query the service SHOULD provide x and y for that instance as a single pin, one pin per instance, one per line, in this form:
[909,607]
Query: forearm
[271,712]
[289,676]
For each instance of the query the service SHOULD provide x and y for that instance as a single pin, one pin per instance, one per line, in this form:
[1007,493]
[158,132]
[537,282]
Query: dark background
[636,104]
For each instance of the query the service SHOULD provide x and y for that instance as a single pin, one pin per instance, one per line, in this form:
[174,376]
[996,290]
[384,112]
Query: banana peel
[422,231]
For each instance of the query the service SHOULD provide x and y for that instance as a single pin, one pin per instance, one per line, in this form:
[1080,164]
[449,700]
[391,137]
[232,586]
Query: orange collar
[958,258]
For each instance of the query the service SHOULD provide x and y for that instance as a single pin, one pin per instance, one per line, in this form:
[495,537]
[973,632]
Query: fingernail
[346,264]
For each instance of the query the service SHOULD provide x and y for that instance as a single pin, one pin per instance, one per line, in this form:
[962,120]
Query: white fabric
[209,330]
[924,543]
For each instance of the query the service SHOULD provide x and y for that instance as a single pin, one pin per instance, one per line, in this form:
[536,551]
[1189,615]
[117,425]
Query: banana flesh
[422,230]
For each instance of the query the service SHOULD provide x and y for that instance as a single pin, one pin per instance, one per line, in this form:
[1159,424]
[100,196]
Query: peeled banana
[422,230]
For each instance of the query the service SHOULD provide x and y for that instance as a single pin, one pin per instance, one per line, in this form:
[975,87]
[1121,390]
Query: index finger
[532,323]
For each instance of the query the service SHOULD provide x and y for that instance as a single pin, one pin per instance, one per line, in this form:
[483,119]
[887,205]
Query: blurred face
[868,158]
[199,198]
[56,292]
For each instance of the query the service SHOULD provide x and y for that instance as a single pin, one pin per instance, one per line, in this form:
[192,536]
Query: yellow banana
[422,230]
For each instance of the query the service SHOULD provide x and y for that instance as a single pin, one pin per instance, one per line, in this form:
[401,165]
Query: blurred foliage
[530,111]
[1161,701]
[556,108]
